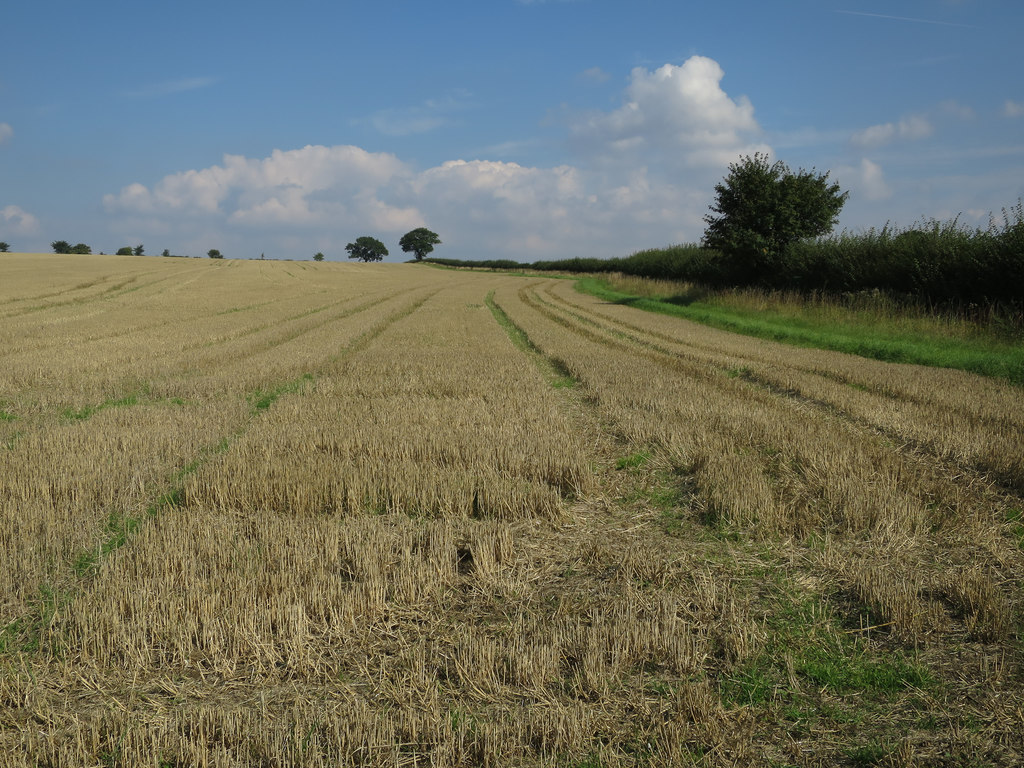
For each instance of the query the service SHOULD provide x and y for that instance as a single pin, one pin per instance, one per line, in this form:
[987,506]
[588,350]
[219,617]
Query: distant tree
[61,246]
[139,250]
[81,248]
[213,253]
[762,208]
[419,241]
[318,257]
[4,247]
[126,251]
[367,249]
[166,252]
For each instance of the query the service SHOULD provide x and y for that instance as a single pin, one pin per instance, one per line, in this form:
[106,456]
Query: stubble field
[276,513]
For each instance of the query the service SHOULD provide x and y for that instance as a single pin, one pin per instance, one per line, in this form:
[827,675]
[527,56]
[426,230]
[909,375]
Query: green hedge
[935,262]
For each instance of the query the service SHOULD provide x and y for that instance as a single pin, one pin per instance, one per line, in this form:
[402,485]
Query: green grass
[842,332]
[633,460]
[1015,520]
[90,410]
[25,634]
[557,372]
[805,636]
[262,399]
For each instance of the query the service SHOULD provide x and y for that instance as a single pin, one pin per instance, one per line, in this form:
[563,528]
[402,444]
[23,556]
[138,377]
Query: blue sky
[513,128]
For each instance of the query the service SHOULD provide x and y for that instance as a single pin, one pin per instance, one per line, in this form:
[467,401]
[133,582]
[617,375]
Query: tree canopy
[367,248]
[764,207]
[63,246]
[420,241]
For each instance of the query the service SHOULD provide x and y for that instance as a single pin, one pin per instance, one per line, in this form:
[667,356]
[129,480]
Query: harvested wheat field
[275,513]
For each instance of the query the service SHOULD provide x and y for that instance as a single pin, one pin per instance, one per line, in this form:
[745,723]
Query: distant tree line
[420,242]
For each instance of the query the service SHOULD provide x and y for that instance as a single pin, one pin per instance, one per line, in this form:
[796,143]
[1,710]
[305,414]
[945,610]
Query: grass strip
[1004,362]
[557,372]
[263,399]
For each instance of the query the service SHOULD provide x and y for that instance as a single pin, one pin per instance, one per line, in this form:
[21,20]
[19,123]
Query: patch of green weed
[91,410]
[869,754]
[1015,520]
[634,460]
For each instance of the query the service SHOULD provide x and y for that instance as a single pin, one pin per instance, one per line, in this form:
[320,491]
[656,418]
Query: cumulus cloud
[910,128]
[529,213]
[677,112]
[1010,109]
[312,185]
[18,221]
[5,132]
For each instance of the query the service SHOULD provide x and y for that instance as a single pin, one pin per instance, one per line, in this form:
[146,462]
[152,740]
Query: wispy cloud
[956,109]
[169,87]
[1010,109]
[908,19]
[6,132]
[911,127]
[419,118]
[595,75]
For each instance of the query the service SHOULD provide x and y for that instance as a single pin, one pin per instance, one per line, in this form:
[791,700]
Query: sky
[514,129]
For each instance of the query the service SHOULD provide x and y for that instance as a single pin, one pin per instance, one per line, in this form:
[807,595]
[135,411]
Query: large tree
[763,207]
[367,249]
[420,241]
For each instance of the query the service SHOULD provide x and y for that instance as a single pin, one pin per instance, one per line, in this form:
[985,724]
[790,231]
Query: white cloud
[5,132]
[865,180]
[872,181]
[18,221]
[910,128]
[1013,108]
[314,184]
[677,113]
